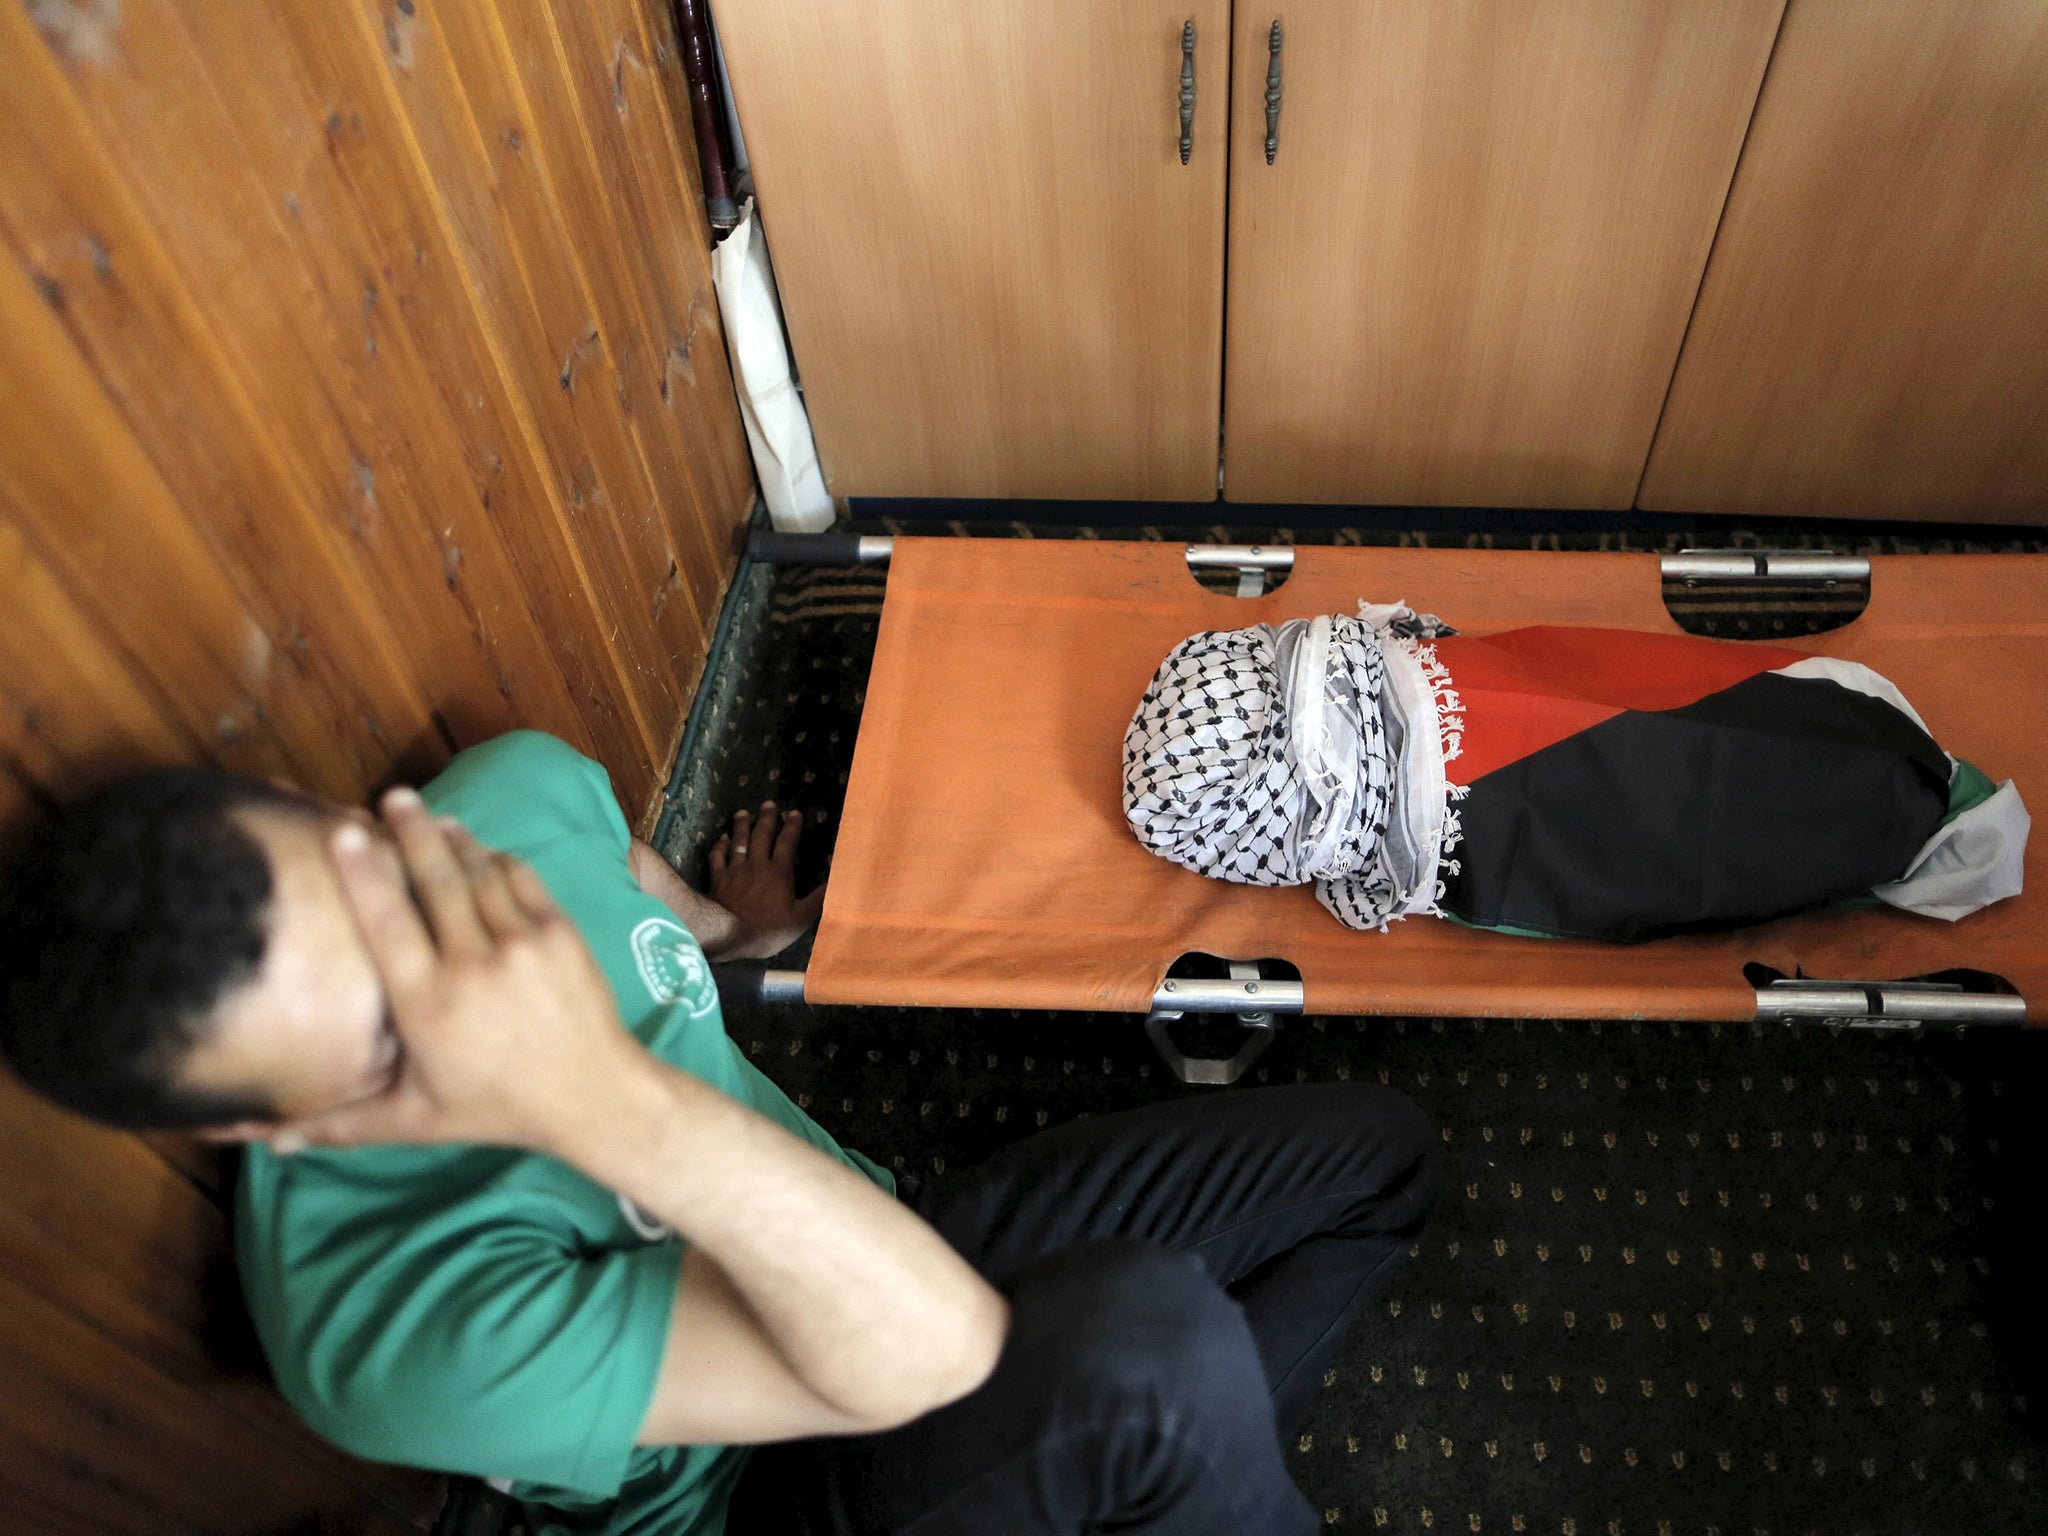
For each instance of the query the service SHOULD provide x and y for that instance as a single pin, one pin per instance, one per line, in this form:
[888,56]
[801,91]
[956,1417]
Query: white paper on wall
[778,430]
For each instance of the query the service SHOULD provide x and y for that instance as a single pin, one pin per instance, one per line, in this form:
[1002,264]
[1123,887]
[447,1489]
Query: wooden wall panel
[1871,335]
[431,517]
[78,1403]
[75,234]
[556,72]
[16,798]
[366,397]
[288,280]
[71,708]
[76,482]
[150,1276]
[653,108]
[488,160]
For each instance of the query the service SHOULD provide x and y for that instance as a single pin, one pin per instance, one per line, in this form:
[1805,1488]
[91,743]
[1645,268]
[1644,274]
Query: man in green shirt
[485,1228]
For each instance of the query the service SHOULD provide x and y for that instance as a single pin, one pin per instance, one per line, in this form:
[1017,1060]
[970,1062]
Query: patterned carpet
[1683,1281]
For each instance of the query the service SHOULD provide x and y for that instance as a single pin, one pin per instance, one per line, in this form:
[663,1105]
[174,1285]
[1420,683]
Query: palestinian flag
[1620,785]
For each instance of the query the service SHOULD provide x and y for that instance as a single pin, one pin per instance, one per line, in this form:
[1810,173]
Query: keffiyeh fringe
[1450,723]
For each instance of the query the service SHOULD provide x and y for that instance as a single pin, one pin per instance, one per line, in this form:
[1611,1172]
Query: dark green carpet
[1683,1281]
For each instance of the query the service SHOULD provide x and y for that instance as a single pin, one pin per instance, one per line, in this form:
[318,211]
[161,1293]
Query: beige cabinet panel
[1872,336]
[1465,277]
[999,277]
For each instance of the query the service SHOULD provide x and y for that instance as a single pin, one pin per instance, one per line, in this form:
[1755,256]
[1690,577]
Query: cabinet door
[1872,337]
[999,277]
[1464,277]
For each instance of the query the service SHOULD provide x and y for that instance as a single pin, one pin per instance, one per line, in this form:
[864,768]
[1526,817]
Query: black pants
[1179,1279]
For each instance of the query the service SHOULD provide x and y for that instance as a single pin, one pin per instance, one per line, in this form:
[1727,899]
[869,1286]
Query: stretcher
[983,859]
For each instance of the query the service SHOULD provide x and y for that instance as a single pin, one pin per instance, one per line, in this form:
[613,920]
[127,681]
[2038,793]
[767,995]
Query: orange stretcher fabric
[983,859]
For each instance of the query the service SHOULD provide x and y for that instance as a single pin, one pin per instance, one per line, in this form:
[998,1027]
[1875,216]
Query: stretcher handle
[739,982]
[819,548]
[1885,1004]
[742,983]
[1764,567]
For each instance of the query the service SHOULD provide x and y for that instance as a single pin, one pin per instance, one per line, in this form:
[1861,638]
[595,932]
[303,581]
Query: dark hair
[124,919]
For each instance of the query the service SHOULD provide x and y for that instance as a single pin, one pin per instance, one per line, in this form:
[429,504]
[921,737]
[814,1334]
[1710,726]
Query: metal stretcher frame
[982,859]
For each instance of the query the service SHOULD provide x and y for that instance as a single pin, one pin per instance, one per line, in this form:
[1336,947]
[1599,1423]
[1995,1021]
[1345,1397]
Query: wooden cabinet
[998,275]
[1872,336]
[1464,276]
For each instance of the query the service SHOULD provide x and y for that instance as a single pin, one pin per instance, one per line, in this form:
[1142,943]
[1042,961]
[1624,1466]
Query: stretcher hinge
[1255,1001]
[1243,992]
[771,548]
[1885,1004]
[1254,563]
[1764,567]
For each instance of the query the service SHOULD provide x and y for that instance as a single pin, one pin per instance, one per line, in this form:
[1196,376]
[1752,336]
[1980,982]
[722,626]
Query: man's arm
[811,1302]
[753,910]
[723,1382]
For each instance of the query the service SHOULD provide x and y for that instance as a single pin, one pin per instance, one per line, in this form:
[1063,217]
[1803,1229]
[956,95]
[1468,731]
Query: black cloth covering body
[1773,796]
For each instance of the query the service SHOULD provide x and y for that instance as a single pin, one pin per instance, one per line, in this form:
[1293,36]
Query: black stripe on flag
[1777,795]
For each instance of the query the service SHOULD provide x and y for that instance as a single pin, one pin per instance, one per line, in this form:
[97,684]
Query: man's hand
[811,1302]
[507,1028]
[753,876]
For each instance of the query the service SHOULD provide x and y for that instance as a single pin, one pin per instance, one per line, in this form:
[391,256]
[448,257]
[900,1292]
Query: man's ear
[239,1133]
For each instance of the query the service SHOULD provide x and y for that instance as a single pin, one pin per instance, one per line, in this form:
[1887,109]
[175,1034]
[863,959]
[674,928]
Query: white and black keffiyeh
[1298,752]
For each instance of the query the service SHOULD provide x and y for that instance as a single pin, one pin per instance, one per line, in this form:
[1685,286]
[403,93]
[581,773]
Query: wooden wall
[365,392]
[362,395]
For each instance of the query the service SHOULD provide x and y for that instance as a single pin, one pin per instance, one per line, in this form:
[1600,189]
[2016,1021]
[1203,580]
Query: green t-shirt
[481,1310]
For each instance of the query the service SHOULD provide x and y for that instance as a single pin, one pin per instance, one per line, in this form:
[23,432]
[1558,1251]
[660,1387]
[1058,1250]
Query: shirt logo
[672,966]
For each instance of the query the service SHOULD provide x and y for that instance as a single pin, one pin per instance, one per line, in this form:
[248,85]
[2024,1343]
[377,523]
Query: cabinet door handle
[1273,93]
[1187,91]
